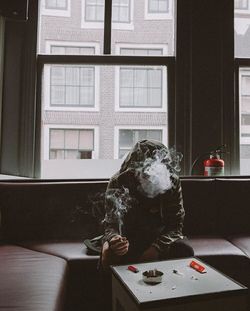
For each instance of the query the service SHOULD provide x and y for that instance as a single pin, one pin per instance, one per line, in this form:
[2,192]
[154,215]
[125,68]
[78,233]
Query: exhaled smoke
[158,173]
[120,202]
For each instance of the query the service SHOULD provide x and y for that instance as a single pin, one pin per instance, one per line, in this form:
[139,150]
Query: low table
[182,288]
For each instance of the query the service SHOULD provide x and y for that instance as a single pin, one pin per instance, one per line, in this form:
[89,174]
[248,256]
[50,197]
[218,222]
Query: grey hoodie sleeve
[172,213]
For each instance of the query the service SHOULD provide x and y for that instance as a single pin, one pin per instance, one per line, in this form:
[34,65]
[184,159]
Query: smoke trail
[120,201]
[157,174]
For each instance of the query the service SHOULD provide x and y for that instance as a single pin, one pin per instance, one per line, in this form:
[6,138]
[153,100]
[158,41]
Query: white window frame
[115,25]
[164,47]
[158,16]
[137,127]
[46,138]
[46,81]
[55,12]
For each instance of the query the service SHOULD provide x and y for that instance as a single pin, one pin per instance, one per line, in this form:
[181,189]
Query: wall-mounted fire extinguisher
[214,166]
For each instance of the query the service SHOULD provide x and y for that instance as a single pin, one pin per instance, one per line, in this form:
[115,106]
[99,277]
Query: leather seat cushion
[242,242]
[83,284]
[31,280]
[222,255]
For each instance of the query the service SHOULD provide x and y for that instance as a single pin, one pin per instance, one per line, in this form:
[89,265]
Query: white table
[187,291]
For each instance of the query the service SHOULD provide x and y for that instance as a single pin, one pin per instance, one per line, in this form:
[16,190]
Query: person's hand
[119,245]
[113,251]
[150,254]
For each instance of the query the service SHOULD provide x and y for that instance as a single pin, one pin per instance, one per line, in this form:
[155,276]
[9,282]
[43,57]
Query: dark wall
[18,111]
[205,72]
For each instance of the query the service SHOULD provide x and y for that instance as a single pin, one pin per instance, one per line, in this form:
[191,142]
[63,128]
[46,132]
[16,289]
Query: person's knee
[181,249]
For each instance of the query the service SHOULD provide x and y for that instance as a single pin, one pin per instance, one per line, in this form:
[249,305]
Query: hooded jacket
[144,220]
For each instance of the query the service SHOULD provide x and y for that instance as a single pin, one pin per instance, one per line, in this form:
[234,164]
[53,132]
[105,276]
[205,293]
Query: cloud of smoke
[158,173]
[121,202]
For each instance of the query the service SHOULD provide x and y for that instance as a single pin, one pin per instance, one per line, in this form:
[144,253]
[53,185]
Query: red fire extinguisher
[214,166]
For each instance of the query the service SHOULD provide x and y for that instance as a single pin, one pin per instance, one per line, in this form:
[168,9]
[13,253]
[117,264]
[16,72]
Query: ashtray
[152,276]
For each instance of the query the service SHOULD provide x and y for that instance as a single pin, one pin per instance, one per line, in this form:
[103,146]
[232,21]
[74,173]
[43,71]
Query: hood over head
[144,157]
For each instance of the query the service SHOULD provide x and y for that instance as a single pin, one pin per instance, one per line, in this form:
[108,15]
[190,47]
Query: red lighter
[133,269]
[196,266]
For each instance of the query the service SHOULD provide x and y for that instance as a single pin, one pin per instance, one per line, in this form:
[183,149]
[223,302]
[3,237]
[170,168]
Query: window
[241,4]
[82,90]
[121,11]
[71,87]
[244,101]
[127,137]
[93,13]
[158,6]
[158,9]
[71,144]
[141,88]
[94,10]
[56,4]
[242,54]
[55,7]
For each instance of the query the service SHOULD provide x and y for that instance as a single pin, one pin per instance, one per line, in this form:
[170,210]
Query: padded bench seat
[223,255]
[83,285]
[30,280]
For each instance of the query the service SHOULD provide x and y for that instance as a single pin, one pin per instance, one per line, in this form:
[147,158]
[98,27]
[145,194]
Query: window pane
[86,140]
[98,112]
[71,139]
[56,139]
[57,75]
[244,99]
[71,86]
[72,95]
[242,28]
[126,97]
[141,87]
[57,95]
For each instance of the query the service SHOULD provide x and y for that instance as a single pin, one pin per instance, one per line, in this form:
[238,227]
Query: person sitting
[144,209]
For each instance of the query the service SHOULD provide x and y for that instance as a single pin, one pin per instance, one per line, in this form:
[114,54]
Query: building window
[141,51]
[140,87]
[56,4]
[94,11]
[128,137]
[121,11]
[158,6]
[56,8]
[158,9]
[241,4]
[71,50]
[70,144]
[72,86]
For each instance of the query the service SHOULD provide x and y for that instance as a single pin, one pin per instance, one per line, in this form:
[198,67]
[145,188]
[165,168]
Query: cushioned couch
[44,264]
